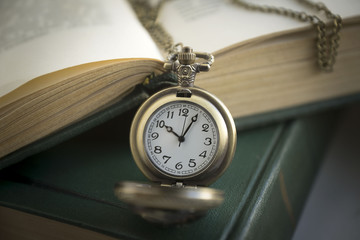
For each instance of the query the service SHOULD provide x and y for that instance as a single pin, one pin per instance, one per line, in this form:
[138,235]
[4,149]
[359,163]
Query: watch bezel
[226,141]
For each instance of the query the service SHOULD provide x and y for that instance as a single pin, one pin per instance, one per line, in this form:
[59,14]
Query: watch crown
[187,56]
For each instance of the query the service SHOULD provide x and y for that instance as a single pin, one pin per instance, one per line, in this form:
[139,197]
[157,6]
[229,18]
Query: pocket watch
[182,139]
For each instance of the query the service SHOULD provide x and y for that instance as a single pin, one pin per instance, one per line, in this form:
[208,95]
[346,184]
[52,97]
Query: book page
[210,25]
[38,37]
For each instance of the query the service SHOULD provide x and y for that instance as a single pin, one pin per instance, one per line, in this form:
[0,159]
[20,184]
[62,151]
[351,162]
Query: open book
[61,61]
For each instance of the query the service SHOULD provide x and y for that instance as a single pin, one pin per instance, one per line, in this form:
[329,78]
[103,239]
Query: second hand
[182,132]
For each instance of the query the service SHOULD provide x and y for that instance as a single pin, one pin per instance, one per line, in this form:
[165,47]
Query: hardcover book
[67,192]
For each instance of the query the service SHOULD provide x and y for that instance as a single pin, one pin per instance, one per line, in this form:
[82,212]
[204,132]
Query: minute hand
[193,119]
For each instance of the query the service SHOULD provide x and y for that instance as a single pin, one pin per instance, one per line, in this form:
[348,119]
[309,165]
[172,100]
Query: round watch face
[181,138]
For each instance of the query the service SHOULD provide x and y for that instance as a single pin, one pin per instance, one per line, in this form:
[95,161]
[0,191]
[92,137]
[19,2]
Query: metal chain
[147,15]
[327,42]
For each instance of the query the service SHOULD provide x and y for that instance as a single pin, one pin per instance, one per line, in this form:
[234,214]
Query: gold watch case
[181,197]
[226,141]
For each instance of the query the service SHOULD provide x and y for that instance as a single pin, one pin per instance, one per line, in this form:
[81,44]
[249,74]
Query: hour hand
[170,130]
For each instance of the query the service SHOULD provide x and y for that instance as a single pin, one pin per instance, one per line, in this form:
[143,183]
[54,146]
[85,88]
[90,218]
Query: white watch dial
[181,138]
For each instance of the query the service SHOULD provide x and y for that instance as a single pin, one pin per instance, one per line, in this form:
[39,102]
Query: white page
[209,25]
[38,36]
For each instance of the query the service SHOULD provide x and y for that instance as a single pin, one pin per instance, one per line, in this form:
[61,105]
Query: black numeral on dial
[183,112]
[170,114]
[207,141]
[160,124]
[203,154]
[192,163]
[179,166]
[166,158]
[205,127]
[157,150]
[154,135]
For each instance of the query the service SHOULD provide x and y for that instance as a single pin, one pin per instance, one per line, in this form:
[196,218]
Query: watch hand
[170,130]
[181,138]
[193,119]
[183,126]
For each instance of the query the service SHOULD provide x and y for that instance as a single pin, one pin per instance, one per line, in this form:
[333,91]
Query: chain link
[147,15]
[327,40]
[327,37]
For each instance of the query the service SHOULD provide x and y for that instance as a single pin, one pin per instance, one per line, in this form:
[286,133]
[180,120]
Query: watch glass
[181,138]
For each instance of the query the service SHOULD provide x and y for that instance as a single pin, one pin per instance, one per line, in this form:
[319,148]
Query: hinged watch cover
[168,204]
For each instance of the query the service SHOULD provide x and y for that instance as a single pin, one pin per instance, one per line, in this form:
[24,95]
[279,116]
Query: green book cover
[265,186]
